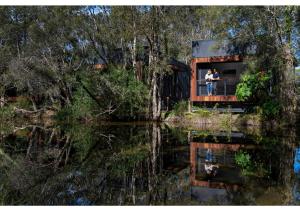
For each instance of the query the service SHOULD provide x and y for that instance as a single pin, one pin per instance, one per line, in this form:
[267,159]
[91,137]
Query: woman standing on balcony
[209,79]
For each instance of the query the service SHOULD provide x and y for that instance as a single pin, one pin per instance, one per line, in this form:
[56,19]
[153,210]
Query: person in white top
[209,79]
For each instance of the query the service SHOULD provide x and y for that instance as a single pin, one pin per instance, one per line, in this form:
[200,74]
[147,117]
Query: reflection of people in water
[210,168]
[297,161]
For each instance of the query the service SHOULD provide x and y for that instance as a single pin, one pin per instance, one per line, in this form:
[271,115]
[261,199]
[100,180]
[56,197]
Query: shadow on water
[147,163]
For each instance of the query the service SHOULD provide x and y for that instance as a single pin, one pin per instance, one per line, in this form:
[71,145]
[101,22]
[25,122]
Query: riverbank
[199,119]
[203,119]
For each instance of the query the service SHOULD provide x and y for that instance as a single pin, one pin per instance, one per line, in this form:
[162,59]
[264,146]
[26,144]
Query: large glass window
[229,76]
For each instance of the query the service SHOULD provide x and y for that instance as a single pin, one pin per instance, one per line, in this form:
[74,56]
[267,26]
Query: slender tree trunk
[33,103]
[134,56]
[286,161]
[2,100]
[154,96]
[134,48]
[287,87]
[153,162]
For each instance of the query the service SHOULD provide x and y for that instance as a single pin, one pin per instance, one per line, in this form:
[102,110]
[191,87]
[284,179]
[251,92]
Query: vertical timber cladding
[210,60]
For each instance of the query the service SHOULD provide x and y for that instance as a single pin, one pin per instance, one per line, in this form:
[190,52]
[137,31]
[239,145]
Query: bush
[180,108]
[250,168]
[203,112]
[270,109]
[252,85]
[243,159]
[23,102]
[6,113]
[82,107]
[114,93]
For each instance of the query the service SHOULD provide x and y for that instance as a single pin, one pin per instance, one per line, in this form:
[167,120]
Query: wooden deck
[220,98]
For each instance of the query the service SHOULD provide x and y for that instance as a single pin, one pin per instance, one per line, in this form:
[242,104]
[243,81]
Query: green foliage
[252,85]
[270,108]
[83,140]
[226,121]
[124,161]
[243,159]
[203,112]
[7,119]
[180,108]
[114,93]
[250,167]
[179,133]
[82,106]
[6,113]
[122,93]
[23,102]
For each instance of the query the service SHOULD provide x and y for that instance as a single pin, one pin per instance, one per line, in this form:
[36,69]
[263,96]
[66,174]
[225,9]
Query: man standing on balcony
[209,79]
[216,78]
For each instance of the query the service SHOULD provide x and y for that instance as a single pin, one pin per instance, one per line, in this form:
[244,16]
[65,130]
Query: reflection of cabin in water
[209,54]
[222,154]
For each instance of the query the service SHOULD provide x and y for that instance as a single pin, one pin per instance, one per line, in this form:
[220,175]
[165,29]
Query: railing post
[225,87]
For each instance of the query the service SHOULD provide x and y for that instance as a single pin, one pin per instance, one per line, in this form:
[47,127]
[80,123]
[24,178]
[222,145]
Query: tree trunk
[287,87]
[2,101]
[33,104]
[133,54]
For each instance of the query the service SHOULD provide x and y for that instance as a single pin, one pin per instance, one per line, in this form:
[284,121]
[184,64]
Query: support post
[190,106]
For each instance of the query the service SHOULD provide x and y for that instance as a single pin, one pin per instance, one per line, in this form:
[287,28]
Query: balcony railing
[222,87]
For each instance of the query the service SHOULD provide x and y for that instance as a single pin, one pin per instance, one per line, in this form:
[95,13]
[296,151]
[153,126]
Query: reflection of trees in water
[286,158]
[56,166]
[36,156]
[105,164]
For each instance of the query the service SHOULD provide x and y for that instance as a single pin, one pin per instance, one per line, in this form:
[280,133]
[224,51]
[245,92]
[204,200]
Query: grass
[203,113]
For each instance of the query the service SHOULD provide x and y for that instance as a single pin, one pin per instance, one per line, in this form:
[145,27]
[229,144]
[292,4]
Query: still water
[147,164]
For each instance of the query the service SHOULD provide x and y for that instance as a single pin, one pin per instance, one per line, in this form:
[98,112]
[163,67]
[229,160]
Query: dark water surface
[147,163]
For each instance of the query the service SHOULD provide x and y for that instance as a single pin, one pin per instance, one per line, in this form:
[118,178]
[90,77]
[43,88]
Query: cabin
[226,59]
[205,151]
[176,86]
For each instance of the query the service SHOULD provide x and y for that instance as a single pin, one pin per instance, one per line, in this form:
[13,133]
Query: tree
[273,34]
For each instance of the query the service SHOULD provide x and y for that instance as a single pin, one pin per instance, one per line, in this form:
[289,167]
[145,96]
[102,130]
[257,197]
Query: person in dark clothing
[216,78]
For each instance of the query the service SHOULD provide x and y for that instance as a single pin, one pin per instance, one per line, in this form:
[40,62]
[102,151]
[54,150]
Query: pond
[147,164]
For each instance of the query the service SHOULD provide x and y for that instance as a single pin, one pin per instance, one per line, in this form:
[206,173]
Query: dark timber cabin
[176,85]
[210,54]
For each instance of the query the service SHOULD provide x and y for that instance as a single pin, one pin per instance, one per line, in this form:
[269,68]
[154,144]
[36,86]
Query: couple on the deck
[211,79]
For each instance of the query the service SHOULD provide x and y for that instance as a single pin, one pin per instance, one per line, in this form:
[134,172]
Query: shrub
[6,113]
[243,159]
[270,108]
[250,168]
[203,112]
[23,102]
[252,85]
[180,108]
[82,107]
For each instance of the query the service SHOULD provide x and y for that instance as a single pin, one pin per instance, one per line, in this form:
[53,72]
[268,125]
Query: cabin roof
[214,48]
[210,48]
[178,65]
